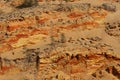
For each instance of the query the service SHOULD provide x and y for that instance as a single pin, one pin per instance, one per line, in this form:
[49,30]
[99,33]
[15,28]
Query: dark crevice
[28,3]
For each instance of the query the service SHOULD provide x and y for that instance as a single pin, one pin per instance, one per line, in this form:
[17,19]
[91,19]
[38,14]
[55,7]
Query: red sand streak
[74,15]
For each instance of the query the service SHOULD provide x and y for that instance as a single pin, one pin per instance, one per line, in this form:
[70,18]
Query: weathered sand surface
[62,45]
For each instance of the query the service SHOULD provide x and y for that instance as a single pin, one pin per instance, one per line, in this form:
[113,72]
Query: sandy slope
[88,52]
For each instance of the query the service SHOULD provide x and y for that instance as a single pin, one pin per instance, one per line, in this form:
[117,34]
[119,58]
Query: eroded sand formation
[60,40]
